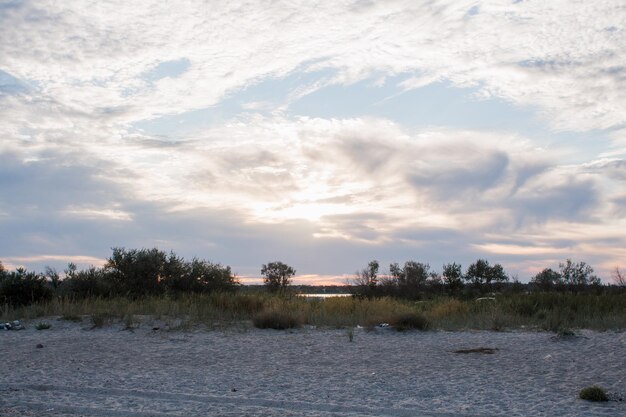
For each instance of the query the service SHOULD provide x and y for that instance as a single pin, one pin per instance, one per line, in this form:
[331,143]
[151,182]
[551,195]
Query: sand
[306,372]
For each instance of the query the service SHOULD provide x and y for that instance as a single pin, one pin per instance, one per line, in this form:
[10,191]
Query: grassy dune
[541,311]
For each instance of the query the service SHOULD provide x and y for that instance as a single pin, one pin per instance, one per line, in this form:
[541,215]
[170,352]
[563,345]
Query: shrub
[593,393]
[410,321]
[22,288]
[90,283]
[547,279]
[279,320]
[138,272]
[42,325]
[197,276]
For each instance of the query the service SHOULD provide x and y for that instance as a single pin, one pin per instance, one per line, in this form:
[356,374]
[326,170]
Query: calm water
[323,295]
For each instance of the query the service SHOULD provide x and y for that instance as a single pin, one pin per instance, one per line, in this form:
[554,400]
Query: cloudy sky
[320,133]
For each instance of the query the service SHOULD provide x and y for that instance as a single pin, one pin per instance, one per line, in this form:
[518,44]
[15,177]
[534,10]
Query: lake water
[323,295]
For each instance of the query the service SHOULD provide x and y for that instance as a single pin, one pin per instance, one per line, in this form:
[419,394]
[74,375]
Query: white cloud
[563,57]
[68,146]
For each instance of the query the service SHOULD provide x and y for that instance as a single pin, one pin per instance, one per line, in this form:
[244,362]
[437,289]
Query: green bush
[145,272]
[89,283]
[21,288]
[42,325]
[593,393]
[409,321]
[279,320]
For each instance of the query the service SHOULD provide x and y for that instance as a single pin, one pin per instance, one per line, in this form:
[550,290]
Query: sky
[323,134]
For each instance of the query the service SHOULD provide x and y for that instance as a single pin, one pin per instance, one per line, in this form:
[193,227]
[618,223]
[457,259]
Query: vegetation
[572,275]
[555,312]
[276,319]
[100,319]
[135,283]
[132,273]
[482,275]
[409,321]
[593,393]
[43,325]
[366,281]
[277,275]
[21,288]
[618,277]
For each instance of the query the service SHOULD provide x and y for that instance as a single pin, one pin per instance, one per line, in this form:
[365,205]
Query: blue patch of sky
[437,104]
[171,69]
[440,104]
[11,85]
[473,11]
[9,5]
[273,92]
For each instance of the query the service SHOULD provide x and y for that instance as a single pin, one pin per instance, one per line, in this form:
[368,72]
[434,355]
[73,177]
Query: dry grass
[275,319]
[540,311]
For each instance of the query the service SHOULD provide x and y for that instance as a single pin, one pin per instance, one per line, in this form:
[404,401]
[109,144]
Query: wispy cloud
[563,57]
[78,83]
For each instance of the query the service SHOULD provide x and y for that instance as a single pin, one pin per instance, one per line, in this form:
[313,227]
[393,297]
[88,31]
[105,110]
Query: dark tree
[482,275]
[411,278]
[137,272]
[87,283]
[21,288]
[366,280]
[53,276]
[577,274]
[211,277]
[277,275]
[547,279]
[453,277]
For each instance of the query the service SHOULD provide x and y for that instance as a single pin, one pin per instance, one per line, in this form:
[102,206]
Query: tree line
[415,280]
[129,273]
[138,273]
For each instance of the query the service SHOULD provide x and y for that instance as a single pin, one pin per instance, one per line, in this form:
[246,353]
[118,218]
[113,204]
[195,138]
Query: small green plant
[42,325]
[409,321]
[593,393]
[279,320]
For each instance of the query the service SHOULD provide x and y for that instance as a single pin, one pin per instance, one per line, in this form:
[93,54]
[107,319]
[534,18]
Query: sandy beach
[307,372]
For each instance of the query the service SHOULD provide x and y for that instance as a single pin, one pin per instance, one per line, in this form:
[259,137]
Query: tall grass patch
[543,311]
[278,320]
